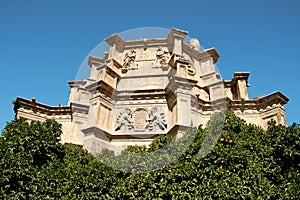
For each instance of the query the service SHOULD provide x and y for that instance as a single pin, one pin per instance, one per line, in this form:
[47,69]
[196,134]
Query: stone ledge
[42,108]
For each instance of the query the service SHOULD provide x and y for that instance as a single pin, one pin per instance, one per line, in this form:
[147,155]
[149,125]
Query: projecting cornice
[76,83]
[116,40]
[259,103]
[41,108]
[93,60]
[176,33]
[212,52]
[174,42]
[237,76]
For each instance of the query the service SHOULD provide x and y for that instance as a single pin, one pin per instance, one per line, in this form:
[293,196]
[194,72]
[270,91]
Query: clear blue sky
[43,43]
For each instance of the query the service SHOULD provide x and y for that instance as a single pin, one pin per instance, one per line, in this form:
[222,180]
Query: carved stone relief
[141,120]
[181,61]
[189,68]
[124,121]
[162,57]
[156,120]
[128,60]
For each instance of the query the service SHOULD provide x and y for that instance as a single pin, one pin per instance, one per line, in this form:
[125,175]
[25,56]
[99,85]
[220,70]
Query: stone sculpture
[162,56]
[156,120]
[128,60]
[124,121]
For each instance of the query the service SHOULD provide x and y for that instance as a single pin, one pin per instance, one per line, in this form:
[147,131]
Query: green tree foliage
[25,148]
[245,162]
[35,165]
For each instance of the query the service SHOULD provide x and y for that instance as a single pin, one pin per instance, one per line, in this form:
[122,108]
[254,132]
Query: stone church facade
[144,88]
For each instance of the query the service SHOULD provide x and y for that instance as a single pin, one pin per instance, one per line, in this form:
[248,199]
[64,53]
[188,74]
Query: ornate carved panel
[141,120]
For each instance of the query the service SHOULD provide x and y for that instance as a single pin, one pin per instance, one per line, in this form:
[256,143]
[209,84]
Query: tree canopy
[246,163]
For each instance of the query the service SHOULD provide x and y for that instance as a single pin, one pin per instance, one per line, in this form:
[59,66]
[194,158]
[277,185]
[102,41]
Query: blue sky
[43,43]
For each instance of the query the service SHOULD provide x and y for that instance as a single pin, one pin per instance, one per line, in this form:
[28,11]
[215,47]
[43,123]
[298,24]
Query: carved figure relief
[156,120]
[128,60]
[162,56]
[124,121]
[141,120]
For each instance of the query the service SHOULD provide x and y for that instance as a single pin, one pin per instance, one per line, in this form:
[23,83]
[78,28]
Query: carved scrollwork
[128,60]
[187,64]
[190,69]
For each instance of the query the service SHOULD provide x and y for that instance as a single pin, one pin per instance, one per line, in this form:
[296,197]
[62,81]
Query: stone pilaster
[116,44]
[175,40]
[241,83]
[181,88]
